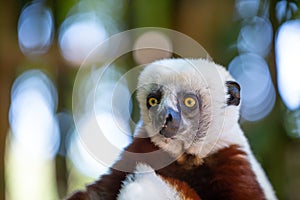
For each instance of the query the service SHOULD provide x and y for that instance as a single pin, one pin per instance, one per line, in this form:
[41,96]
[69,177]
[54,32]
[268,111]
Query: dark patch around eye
[154,94]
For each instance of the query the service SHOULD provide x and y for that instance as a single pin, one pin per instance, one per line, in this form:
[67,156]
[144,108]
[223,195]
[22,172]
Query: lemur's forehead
[188,73]
[172,81]
[203,77]
[171,88]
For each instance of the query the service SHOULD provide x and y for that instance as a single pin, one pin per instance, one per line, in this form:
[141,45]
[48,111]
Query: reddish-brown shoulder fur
[226,174]
[232,175]
[108,186]
[186,192]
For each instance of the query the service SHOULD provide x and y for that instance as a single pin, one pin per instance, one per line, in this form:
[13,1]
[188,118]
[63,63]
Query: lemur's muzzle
[171,123]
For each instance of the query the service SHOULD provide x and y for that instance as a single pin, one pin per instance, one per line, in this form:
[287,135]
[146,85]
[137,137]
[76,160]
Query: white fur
[209,79]
[261,176]
[145,184]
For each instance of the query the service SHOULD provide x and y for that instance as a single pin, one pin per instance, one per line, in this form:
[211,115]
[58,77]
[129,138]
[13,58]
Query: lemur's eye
[189,102]
[152,101]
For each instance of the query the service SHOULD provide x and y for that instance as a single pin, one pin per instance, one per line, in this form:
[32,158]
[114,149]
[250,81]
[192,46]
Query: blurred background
[43,44]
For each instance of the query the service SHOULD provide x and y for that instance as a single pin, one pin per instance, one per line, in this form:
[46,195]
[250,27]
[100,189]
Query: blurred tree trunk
[9,60]
[210,23]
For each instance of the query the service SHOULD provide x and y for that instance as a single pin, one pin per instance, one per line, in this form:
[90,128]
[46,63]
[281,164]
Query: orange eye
[152,101]
[189,102]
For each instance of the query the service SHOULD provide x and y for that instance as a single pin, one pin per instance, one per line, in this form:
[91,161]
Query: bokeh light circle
[35,29]
[255,36]
[32,114]
[288,61]
[79,35]
[258,93]
[149,47]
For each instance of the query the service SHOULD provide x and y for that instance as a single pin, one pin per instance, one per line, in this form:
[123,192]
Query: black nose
[171,123]
[169,118]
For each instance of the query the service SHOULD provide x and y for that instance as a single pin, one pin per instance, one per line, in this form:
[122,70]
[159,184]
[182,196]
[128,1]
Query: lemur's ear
[234,93]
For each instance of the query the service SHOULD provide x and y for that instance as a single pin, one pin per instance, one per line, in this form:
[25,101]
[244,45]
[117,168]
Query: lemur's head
[187,105]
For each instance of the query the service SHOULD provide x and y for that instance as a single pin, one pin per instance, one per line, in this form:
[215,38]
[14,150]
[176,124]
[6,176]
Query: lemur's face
[174,113]
[178,104]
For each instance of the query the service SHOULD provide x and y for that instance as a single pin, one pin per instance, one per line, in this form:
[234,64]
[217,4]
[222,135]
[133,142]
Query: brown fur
[225,175]
[108,186]
[186,192]
[189,161]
